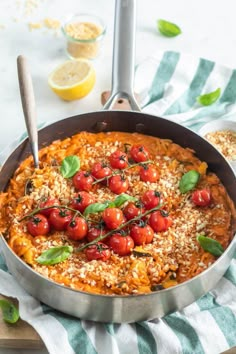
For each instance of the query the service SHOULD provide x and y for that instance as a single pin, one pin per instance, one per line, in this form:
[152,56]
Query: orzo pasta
[117,213]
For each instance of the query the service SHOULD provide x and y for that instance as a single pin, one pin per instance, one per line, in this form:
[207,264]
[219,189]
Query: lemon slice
[73,79]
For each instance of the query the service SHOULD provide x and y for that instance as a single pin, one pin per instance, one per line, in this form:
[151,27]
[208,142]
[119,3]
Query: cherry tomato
[121,244]
[160,221]
[82,200]
[201,197]
[101,170]
[118,184]
[113,218]
[98,251]
[94,232]
[77,228]
[139,153]
[141,233]
[132,210]
[83,181]
[48,202]
[118,159]
[150,199]
[60,219]
[38,225]
[149,173]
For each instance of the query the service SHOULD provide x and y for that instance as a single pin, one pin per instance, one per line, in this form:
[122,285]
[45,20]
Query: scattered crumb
[35,25]
[48,23]
[51,23]
[30,6]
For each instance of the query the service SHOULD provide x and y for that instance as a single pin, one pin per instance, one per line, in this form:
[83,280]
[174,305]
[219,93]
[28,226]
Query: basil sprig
[209,98]
[70,165]
[210,245]
[55,255]
[168,29]
[9,311]
[188,181]
[118,202]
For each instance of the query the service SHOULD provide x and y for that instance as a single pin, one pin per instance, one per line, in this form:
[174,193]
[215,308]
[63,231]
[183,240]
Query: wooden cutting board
[18,335]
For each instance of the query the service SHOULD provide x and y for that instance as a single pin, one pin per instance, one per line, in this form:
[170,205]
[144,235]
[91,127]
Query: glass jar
[84,35]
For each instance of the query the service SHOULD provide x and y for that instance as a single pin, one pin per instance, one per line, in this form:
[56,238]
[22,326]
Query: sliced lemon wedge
[73,79]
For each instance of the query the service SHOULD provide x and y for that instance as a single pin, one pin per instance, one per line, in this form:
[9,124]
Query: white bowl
[216,125]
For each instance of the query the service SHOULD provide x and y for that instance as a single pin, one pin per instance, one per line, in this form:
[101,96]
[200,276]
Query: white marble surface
[208,28]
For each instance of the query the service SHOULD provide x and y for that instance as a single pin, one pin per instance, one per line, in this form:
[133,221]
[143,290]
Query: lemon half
[73,79]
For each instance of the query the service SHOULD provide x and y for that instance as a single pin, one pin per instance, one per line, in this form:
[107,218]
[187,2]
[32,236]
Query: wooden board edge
[19,335]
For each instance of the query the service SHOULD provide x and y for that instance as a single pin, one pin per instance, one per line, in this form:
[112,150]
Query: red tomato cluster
[112,173]
[59,219]
[127,227]
[139,230]
[139,225]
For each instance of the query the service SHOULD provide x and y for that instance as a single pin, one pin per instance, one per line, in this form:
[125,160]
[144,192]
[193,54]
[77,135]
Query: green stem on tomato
[102,237]
[74,216]
[36,211]
[117,172]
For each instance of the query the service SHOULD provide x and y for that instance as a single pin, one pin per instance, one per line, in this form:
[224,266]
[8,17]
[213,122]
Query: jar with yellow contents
[84,36]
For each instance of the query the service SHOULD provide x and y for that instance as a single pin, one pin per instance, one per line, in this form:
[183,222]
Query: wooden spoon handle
[28,104]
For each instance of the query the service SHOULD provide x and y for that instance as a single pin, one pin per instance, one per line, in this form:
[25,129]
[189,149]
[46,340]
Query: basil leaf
[210,245]
[168,29]
[70,165]
[122,198]
[96,208]
[55,255]
[189,181]
[209,98]
[9,311]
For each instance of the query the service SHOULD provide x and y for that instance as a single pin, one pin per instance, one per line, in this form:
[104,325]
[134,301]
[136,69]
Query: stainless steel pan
[120,308]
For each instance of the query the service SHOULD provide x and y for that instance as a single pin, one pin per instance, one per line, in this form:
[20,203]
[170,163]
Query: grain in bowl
[84,35]
[117,213]
[222,134]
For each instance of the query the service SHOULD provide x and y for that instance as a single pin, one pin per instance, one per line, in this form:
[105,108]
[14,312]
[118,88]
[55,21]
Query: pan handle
[123,54]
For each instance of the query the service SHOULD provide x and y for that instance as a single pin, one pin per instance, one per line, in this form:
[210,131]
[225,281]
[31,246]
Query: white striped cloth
[168,85]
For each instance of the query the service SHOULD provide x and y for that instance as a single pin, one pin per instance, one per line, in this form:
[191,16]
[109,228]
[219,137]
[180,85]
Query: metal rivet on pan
[100,126]
[140,128]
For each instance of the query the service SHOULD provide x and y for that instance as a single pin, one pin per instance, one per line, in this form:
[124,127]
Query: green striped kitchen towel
[207,326]
[168,84]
